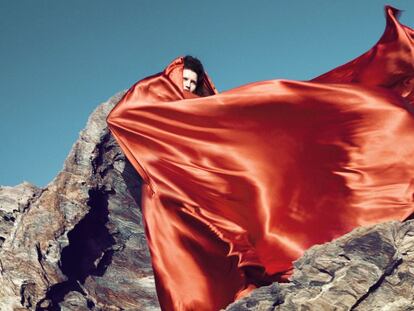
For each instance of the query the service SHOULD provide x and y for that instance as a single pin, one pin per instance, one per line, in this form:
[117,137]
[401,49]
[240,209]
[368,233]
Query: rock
[369,268]
[79,243]
[13,202]
[262,299]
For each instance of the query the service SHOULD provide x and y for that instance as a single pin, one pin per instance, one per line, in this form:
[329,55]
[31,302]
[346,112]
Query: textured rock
[368,269]
[79,244]
[13,202]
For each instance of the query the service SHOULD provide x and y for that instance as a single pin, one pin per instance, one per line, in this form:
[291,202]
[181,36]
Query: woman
[239,184]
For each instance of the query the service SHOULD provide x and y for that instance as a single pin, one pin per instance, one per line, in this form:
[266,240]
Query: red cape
[239,184]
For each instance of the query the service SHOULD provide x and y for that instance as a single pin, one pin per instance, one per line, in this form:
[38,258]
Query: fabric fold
[239,184]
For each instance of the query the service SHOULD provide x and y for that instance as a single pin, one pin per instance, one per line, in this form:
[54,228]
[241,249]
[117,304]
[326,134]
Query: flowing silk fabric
[239,184]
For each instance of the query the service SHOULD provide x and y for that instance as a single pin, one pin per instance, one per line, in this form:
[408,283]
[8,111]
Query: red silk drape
[239,184]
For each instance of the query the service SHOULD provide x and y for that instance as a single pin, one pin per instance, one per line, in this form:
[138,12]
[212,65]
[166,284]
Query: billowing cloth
[239,184]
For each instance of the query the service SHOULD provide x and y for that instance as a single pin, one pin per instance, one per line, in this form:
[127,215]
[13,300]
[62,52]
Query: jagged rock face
[367,269]
[79,243]
[14,202]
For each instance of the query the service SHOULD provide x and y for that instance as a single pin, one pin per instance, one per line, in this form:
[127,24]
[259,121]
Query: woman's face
[189,80]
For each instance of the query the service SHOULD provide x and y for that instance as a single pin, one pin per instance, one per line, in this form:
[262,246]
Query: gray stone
[370,268]
[79,243]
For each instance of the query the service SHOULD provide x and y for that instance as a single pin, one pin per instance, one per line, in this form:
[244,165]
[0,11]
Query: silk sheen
[238,185]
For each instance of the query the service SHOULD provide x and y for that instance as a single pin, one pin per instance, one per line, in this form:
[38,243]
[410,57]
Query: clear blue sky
[60,59]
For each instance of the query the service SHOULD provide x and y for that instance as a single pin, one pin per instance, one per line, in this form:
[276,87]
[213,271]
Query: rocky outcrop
[368,269]
[79,244]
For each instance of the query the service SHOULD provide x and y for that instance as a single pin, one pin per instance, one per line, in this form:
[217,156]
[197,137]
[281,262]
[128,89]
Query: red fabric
[239,184]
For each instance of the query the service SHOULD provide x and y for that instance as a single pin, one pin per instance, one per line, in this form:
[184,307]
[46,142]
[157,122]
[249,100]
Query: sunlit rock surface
[368,269]
[79,243]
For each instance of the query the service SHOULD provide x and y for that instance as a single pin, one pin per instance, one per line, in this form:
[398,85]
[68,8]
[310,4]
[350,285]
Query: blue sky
[60,59]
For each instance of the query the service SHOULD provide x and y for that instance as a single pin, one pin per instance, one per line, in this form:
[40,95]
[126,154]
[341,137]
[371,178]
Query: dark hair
[195,65]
